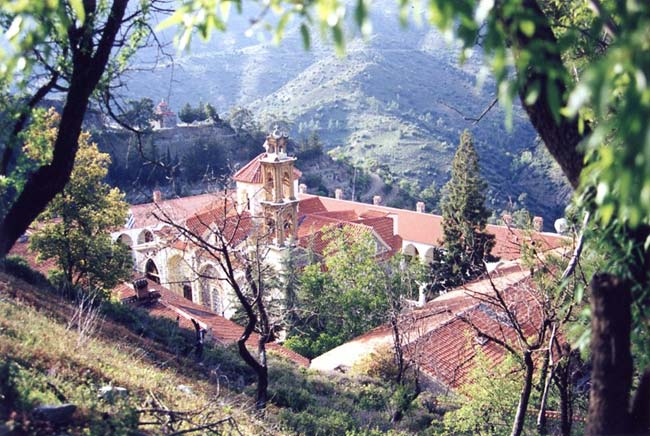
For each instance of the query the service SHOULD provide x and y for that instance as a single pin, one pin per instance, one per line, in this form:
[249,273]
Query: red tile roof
[177,209]
[22,249]
[234,226]
[426,228]
[220,329]
[310,205]
[311,228]
[447,352]
[252,172]
[437,336]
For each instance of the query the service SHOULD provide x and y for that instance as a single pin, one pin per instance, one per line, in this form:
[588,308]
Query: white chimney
[422,295]
[538,223]
[302,188]
[338,194]
[419,206]
[157,196]
[376,200]
[561,226]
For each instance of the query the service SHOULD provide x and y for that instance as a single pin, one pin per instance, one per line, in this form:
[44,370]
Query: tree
[140,114]
[242,119]
[490,403]
[466,243]
[231,240]
[211,113]
[189,114]
[70,48]
[352,291]
[75,227]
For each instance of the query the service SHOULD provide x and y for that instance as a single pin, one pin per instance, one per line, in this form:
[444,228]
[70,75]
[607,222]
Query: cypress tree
[466,244]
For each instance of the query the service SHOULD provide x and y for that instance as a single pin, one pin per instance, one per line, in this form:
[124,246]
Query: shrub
[18,267]
[379,364]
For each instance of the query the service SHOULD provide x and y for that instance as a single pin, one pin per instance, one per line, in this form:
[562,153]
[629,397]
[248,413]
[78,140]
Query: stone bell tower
[280,206]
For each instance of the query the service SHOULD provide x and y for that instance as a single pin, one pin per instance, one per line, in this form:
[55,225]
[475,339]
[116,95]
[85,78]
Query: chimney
[507,219]
[561,226]
[538,223]
[157,196]
[302,188]
[338,194]
[422,295]
[141,288]
[419,206]
[376,200]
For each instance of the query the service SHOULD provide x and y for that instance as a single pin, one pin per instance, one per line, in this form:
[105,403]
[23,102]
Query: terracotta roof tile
[220,329]
[252,172]
[176,209]
[439,338]
[310,205]
[426,228]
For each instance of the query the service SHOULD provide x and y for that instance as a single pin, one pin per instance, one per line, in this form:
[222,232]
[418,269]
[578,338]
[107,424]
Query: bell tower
[280,206]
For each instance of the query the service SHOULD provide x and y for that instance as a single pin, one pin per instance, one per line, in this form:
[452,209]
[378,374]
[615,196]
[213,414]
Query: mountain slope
[398,101]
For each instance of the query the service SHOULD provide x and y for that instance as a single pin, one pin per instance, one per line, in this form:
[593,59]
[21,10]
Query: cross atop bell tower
[276,143]
[279,204]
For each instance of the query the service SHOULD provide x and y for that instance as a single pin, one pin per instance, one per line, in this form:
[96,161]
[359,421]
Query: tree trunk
[261,397]
[611,375]
[397,343]
[520,417]
[640,415]
[561,136]
[562,379]
[49,180]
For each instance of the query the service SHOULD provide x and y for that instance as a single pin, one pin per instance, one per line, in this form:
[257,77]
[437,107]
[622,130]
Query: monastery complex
[268,191]
[269,199]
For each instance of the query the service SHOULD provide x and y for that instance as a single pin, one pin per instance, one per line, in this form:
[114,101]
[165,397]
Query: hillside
[394,105]
[198,159]
[53,353]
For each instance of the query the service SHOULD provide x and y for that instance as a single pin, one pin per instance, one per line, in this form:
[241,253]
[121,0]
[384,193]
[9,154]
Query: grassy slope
[50,362]
[44,360]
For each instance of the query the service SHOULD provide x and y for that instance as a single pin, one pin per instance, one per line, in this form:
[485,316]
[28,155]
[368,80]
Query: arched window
[207,277]
[151,271]
[125,239]
[410,252]
[286,185]
[288,225]
[177,274]
[187,291]
[145,236]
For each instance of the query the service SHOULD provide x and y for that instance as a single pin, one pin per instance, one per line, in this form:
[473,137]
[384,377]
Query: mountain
[395,104]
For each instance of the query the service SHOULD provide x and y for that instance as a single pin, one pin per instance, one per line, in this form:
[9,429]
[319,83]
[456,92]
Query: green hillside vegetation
[193,159]
[364,109]
[398,100]
[52,352]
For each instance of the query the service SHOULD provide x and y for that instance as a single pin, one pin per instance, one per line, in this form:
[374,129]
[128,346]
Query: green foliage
[140,114]
[211,113]
[350,295]
[36,150]
[490,400]
[203,160]
[466,243]
[614,91]
[242,119]
[309,148]
[202,112]
[18,267]
[189,114]
[75,227]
